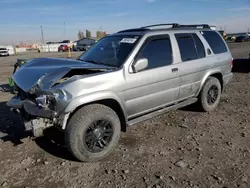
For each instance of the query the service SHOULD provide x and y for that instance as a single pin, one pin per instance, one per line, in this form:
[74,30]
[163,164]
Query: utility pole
[64,31]
[42,34]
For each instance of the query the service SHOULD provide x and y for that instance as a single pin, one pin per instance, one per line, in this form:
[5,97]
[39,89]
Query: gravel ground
[184,148]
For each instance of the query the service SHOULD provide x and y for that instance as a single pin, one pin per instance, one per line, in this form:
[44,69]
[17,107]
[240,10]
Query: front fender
[85,99]
[215,71]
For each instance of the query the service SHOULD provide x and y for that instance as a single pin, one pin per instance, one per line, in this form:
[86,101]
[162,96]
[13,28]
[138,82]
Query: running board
[162,111]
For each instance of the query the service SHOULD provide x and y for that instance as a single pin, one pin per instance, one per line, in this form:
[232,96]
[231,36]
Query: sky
[21,20]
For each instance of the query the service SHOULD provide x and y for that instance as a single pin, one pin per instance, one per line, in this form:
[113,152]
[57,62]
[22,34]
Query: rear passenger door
[193,63]
[158,84]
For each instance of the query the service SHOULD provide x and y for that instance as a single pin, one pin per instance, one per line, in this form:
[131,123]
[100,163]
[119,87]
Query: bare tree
[88,33]
[80,34]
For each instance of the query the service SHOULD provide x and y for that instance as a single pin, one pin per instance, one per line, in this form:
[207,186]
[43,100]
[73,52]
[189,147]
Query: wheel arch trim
[208,74]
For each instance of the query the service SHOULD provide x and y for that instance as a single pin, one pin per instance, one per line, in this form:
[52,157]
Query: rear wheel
[93,132]
[210,95]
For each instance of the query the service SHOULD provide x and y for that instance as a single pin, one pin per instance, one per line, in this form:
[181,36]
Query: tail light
[232,63]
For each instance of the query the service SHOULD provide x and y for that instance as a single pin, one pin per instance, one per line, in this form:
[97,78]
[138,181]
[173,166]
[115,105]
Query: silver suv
[123,79]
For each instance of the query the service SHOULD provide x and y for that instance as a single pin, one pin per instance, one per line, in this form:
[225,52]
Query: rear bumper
[227,78]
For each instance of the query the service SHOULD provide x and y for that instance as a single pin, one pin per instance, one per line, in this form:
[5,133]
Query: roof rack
[195,26]
[174,25]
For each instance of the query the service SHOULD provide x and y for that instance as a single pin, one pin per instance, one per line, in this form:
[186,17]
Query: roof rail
[134,30]
[195,25]
[174,25]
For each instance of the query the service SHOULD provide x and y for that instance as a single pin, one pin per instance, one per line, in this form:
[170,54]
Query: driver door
[158,84]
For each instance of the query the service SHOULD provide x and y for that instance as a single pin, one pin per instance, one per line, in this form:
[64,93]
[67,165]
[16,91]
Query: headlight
[59,94]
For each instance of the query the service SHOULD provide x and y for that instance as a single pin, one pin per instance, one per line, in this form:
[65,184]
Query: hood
[52,69]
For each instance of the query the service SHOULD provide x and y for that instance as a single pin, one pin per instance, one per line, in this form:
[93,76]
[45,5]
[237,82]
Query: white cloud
[239,9]
[151,1]
[12,1]
[120,14]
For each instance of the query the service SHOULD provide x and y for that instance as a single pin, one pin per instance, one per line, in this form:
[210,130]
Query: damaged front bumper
[35,118]
[31,108]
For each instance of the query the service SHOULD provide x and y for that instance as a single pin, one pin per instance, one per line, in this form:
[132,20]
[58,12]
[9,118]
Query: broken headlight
[42,101]
[59,94]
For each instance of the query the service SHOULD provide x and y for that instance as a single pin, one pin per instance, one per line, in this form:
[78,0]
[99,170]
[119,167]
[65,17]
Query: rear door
[193,63]
[158,84]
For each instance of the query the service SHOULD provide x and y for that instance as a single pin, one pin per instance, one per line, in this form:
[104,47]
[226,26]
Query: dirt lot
[184,148]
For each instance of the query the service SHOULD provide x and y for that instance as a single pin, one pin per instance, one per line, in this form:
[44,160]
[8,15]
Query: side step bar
[162,111]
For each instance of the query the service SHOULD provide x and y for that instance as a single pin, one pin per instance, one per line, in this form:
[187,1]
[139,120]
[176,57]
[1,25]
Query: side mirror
[140,65]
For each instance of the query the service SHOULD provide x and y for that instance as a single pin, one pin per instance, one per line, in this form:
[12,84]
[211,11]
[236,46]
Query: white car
[4,51]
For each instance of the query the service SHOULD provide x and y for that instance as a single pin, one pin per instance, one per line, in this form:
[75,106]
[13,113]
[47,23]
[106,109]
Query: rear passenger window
[215,41]
[158,52]
[187,46]
[199,46]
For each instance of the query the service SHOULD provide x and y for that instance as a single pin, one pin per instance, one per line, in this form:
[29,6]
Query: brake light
[232,63]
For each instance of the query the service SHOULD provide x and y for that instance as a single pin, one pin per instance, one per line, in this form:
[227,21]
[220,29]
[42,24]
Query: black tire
[208,99]
[78,129]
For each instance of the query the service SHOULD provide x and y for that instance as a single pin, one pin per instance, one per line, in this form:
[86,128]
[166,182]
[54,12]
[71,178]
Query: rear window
[215,41]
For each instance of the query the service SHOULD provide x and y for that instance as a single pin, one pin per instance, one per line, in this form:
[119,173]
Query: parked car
[63,48]
[125,78]
[74,44]
[65,41]
[242,38]
[84,44]
[4,51]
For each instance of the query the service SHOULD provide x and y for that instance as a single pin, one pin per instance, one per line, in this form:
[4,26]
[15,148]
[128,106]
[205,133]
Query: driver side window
[158,52]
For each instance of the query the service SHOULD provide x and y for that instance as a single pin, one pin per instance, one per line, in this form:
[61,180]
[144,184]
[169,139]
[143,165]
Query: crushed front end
[45,86]
[37,112]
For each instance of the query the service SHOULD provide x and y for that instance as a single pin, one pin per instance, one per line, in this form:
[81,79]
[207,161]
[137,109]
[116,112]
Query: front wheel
[210,95]
[92,132]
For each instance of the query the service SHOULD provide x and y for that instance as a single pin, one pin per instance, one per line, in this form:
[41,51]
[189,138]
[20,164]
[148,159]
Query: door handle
[175,70]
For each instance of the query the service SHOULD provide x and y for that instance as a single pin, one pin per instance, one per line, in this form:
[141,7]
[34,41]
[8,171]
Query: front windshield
[111,51]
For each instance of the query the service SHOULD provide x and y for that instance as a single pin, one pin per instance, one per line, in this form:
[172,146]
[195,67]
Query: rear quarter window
[215,41]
